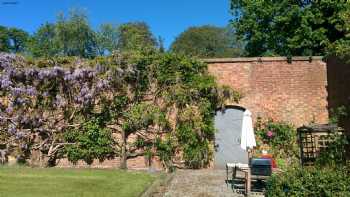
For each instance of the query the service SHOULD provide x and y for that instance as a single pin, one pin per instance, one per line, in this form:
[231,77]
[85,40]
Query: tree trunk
[123,155]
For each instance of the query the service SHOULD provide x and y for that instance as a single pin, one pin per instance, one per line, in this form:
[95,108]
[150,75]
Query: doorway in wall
[228,124]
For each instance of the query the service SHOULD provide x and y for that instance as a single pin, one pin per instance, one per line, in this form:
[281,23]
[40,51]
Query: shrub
[279,137]
[310,182]
[335,154]
[91,141]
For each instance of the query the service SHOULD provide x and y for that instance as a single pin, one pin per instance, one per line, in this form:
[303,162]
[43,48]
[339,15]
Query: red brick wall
[294,92]
[138,163]
[273,88]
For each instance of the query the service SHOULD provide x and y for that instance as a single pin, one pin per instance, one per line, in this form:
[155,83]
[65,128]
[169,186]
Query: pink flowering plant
[280,137]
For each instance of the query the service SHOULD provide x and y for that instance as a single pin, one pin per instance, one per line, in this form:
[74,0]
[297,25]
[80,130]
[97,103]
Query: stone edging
[158,183]
[261,59]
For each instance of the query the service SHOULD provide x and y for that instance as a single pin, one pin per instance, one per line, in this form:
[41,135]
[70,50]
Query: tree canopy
[72,35]
[135,35]
[290,27]
[13,39]
[207,41]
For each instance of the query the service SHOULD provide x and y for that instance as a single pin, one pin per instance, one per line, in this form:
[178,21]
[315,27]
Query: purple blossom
[43,74]
[9,109]
[20,101]
[31,91]
[78,73]
[102,84]
[68,76]
[25,120]
[17,91]
[19,135]
[45,94]
[6,60]
[59,101]
[5,82]
[31,72]
[57,70]
[12,129]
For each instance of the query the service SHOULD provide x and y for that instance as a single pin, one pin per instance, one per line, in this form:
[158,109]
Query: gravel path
[200,183]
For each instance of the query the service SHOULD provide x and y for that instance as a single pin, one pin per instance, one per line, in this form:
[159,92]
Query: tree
[13,39]
[289,27]
[18,39]
[4,39]
[207,41]
[107,39]
[341,47]
[75,36]
[135,36]
[43,41]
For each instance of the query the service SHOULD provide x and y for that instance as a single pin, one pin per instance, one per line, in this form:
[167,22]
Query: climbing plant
[89,109]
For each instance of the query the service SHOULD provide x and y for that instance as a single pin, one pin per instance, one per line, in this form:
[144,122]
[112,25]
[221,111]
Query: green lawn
[35,182]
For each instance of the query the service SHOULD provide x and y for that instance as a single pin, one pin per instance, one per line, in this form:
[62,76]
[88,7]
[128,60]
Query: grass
[30,182]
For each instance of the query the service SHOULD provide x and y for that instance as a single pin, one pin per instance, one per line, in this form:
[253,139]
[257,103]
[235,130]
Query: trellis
[313,139]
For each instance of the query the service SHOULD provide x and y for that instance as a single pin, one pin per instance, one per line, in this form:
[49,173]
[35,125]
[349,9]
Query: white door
[228,124]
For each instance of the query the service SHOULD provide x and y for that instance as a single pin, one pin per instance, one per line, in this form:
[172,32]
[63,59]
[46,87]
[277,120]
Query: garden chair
[258,169]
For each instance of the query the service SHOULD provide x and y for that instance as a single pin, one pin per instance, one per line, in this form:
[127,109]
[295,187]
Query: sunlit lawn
[35,182]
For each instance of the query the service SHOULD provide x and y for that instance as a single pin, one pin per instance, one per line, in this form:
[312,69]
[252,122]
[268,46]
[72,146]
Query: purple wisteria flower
[43,74]
[12,129]
[57,70]
[31,91]
[17,91]
[31,73]
[59,101]
[9,109]
[5,82]
[102,84]
[45,94]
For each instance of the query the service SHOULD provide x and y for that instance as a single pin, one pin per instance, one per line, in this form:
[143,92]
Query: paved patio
[200,183]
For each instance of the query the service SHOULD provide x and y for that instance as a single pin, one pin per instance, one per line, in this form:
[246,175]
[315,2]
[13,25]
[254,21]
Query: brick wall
[273,88]
[137,163]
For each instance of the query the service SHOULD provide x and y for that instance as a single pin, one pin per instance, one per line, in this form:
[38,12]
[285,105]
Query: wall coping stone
[261,59]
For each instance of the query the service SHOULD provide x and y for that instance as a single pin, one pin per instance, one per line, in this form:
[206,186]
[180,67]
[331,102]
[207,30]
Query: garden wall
[273,87]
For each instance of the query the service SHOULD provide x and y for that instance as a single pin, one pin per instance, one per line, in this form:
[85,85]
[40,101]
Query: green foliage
[142,115]
[91,141]
[338,114]
[107,39]
[334,155]
[13,39]
[310,182]
[291,27]
[165,150]
[280,137]
[207,41]
[43,42]
[4,39]
[135,36]
[166,100]
[75,36]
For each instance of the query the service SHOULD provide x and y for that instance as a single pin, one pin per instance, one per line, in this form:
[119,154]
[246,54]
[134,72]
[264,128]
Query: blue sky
[167,18]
